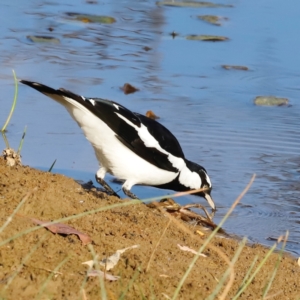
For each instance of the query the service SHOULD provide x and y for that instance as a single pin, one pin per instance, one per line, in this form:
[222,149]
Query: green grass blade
[24,260]
[276,266]
[5,140]
[211,236]
[22,140]
[50,169]
[130,284]
[10,218]
[255,272]
[227,272]
[248,272]
[43,287]
[101,279]
[13,105]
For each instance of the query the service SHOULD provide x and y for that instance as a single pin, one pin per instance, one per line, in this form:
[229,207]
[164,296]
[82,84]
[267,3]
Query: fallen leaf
[150,114]
[61,228]
[90,263]
[129,89]
[94,273]
[111,261]
[188,249]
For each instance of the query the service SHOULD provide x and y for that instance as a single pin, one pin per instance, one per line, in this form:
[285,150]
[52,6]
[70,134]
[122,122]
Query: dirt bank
[28,262]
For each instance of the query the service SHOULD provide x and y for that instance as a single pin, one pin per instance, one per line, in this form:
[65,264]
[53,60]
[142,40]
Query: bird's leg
[129,194]
[106,186]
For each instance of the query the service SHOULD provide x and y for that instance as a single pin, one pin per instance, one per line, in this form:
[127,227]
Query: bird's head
[205,183]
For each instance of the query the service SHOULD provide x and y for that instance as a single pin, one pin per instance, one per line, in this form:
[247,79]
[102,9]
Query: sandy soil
[28,262]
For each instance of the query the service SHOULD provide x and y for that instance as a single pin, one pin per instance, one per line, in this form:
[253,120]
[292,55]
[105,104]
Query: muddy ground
[43,265]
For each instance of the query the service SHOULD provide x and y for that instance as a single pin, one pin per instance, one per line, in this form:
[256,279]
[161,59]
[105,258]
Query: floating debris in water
[129,89]
[86,18]
[270,101]
[214,20]
[206,38]
[232,67]
[43,39]
[191,4]
[174,34]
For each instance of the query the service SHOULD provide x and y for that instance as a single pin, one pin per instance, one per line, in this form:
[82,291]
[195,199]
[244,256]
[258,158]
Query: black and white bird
[131,146]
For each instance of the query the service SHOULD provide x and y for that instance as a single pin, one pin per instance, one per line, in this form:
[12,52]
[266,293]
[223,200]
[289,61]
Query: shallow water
[209,109]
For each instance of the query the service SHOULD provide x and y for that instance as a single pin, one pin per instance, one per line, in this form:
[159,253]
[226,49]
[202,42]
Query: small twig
[101,279]
[198,206]
[52,271]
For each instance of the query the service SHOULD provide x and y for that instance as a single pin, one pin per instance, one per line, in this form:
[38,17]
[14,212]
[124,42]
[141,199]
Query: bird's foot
[129,194]
[106,187]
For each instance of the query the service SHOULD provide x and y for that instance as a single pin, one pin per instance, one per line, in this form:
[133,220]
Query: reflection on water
[208,108]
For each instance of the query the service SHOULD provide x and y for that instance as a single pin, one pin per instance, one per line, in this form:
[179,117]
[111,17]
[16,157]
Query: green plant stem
[50,169]
[101,279]
[43,287]
[9,219]
[24,260]
[207,241]
[276,266]
[255,273]
[22,140]
[249,272]
[225,275]
[5,140]
[14,103]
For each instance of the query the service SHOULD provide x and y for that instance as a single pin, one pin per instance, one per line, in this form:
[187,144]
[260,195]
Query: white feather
[113,156]
[187,178]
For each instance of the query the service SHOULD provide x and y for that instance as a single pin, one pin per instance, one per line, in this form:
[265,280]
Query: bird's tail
[61,95]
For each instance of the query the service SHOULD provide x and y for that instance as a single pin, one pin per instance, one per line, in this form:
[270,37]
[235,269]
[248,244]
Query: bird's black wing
[165,138]
[125,124]
[119,119]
